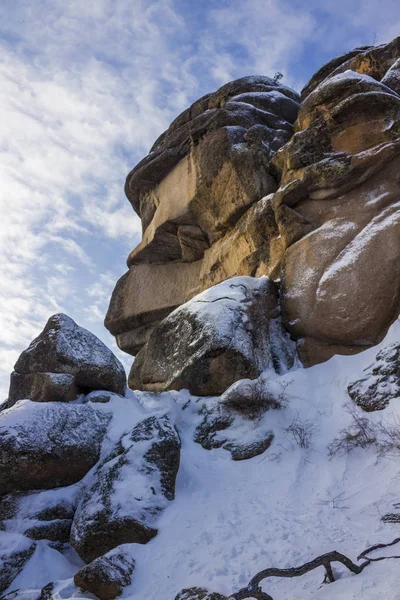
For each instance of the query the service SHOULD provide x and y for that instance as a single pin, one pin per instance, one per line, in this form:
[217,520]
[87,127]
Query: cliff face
[338,206]
[248,181]
[198,194]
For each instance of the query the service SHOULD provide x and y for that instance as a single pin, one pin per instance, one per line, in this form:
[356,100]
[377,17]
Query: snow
[225,310]
[280,509]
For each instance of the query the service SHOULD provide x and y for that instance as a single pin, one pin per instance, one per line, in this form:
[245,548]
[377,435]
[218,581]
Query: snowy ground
[281,509]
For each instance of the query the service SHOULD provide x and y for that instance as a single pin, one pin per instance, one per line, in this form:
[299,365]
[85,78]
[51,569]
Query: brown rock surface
[338,208]
[200,178]
[42,387]
[106,576]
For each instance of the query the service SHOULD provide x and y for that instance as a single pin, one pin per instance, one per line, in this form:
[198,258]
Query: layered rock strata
[195,193]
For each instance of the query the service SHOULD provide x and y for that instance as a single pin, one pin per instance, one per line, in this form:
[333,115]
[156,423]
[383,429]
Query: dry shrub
[361,433]
[389,436]
[253,398]
[302,432]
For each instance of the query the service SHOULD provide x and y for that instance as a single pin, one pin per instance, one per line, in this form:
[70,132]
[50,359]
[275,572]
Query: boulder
[199,179]
[42,387]
[46,445]
[229,332]
[15,551]
[241,433]
[99,397]
[130,488]
[197,593]
[62,362]
[381,382]
[337,207]
[44,515]
[107,576]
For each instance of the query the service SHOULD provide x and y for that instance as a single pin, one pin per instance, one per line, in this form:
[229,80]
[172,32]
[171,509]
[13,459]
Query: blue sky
[85,88]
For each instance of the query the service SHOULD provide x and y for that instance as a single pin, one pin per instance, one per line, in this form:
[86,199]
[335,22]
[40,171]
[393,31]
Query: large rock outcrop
[200,178]
[64,361]
[231,331]
[338,206]
[131,487]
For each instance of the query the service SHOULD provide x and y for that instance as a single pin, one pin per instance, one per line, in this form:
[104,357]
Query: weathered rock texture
[338,206]
[146,461]
[40,515]
[381,382]
[107,576]
[15,551]
[195,193]
[239,434]
[46,445]
[62,362]
[229,332]
[197,593]
[210,209]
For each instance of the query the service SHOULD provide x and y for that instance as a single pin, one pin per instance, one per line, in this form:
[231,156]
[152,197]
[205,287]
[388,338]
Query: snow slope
[280,509]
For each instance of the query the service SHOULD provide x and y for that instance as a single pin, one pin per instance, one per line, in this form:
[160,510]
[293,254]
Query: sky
[85,89]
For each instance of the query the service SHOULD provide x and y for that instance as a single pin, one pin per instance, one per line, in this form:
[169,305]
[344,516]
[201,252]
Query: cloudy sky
[85,88]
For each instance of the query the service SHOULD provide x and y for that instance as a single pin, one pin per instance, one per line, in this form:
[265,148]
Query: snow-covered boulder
[46,445]
[197,593]
[229,332]
[98,397]
[63,361]
[43,515]
[238,432]
[107,576]
[130,488]
[381,381]
[15,551]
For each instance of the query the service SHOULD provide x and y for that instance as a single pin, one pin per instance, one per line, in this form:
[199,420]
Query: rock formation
[229,332]
[381,381]
[337,207]
[147,461]
[210,209]
[271,230]
[64,361]
[198,194]
[107,576]
[45,445]
[49,444]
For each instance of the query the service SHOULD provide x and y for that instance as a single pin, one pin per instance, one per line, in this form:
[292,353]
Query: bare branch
[253,589]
